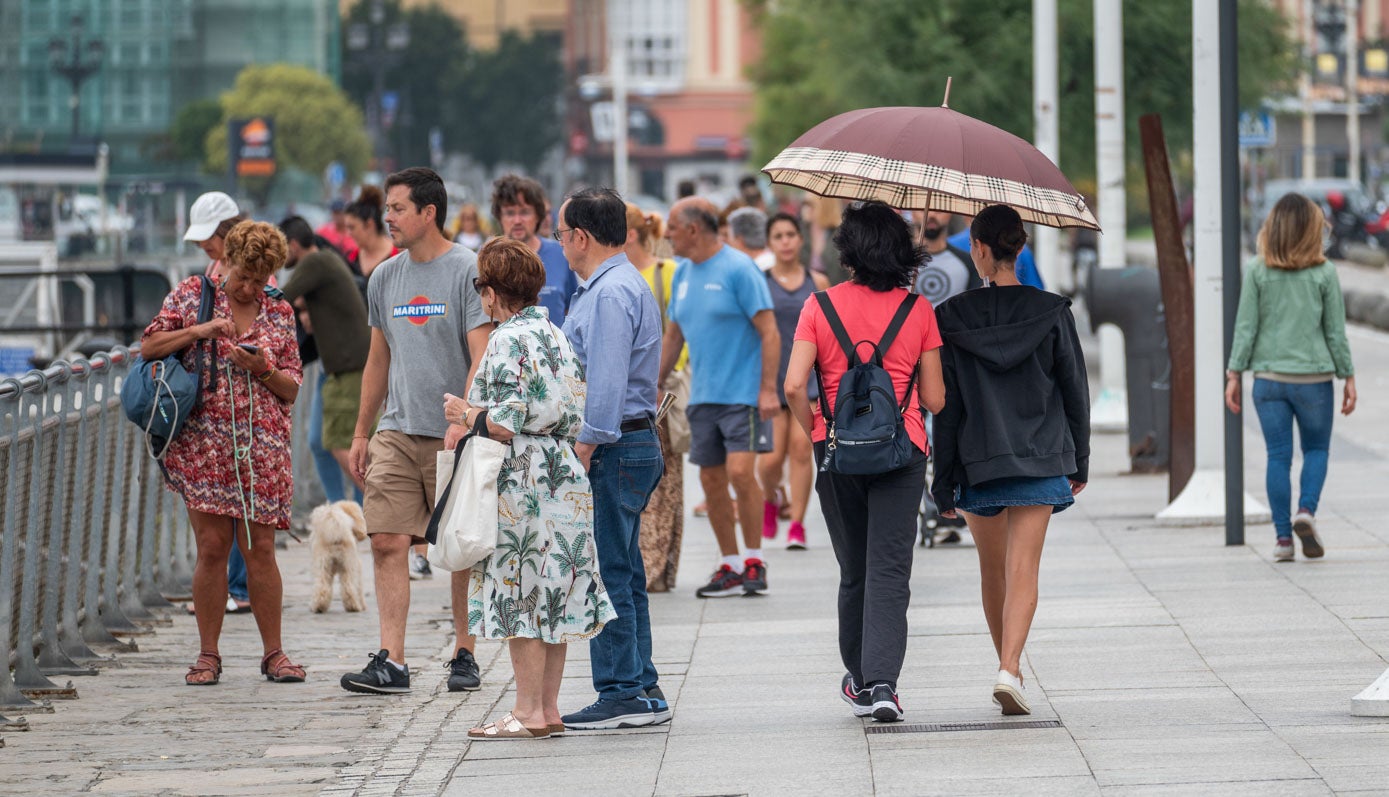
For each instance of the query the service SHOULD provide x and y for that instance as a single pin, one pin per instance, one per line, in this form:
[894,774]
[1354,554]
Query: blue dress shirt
[615,329]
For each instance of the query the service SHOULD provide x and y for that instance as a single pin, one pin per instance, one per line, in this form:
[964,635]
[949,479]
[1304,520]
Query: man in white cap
[212,216]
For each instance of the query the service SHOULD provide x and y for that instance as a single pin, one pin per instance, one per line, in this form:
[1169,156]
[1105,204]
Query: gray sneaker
[1305,527]
[419,567]
[1283,550]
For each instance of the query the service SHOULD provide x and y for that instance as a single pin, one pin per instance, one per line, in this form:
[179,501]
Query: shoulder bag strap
[207,302]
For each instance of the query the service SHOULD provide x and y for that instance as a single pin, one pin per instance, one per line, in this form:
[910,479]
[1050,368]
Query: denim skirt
[989,498]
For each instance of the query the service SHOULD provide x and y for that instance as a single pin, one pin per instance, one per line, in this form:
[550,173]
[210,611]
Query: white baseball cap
[208,211]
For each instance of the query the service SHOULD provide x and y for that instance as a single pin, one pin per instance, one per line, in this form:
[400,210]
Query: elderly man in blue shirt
[615,328]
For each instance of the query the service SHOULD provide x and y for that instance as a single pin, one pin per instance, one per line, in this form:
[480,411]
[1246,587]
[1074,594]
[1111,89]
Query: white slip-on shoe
[1009,694]
[1305,527]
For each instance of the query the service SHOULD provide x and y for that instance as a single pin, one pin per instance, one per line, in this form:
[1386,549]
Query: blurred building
[689,101]
[1321,104]
[484,20]
[155,57]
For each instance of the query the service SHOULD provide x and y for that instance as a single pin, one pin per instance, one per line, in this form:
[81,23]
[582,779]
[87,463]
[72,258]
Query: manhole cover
[948,727]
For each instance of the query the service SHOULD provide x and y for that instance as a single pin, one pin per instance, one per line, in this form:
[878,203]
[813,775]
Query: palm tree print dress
[542,580]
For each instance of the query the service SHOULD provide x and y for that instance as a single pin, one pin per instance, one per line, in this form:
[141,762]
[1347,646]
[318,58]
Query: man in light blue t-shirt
[518,204]
[721,307]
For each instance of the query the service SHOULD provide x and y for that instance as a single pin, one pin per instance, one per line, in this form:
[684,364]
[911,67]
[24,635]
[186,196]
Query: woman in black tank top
[790,284]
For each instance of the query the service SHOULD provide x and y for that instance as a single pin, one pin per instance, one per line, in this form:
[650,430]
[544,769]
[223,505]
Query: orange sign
[252,146]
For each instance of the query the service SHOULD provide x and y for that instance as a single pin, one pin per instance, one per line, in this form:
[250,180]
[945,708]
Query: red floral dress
[239,428]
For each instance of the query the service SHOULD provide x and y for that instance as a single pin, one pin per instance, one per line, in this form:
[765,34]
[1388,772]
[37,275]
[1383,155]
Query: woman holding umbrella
[1012,444]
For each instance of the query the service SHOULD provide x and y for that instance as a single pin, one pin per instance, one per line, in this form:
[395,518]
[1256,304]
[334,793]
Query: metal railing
[92,547]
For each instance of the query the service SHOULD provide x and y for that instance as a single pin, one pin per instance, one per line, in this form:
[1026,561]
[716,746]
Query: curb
[1367,307]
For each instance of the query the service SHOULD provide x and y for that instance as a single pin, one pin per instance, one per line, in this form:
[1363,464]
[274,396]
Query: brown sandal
[284,671]
[208,664]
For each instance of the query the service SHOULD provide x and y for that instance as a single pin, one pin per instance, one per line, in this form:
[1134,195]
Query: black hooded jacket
[1017,402]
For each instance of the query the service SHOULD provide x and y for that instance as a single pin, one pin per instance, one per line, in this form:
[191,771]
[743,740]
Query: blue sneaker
[660,709]
[605,715]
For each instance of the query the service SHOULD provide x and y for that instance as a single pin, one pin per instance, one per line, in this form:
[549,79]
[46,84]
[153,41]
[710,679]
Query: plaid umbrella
[933,159]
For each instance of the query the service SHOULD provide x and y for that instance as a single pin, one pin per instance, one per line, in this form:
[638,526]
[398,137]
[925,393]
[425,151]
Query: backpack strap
[837,327]
[903,311]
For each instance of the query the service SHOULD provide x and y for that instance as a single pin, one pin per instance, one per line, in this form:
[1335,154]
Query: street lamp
[382,45]
[67,59]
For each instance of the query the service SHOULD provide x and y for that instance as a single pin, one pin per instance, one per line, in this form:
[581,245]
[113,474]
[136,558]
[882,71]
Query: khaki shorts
[400,483]
[342,395]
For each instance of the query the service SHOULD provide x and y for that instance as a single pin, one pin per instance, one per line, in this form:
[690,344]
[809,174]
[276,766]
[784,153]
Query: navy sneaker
[606,715]
[755,577]
[860,700]
[463,672]
[724,583]
[380,677]
[886,707]
[660,709]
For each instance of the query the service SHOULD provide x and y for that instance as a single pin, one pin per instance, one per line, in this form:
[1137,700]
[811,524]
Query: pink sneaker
[795,537]
[769,520]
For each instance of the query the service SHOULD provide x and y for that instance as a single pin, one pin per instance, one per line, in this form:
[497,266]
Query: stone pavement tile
[1303,787]
[632,778]
[1371,777]
[1307,703]
[1097,711]
[574,744]
[1191,754]
[815,761]
[1355,745]
[932,785]
[971,755]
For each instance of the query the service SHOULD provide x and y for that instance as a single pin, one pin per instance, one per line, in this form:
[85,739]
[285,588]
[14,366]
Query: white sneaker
[1283,550]
[1305,527]
[1009,694]
[419,567]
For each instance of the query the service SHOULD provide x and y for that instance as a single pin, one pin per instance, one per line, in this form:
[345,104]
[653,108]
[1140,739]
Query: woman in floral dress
[231,460]
[540,588]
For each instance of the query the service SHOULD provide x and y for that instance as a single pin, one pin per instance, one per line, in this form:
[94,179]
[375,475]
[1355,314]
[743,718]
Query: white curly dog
[335,530]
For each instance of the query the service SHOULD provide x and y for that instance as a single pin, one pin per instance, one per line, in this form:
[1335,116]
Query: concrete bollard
[1374,701]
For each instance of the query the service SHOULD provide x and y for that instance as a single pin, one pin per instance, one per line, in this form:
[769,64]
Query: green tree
[188,133]
[509,111]
[315,122]
[824,57]
[423,75]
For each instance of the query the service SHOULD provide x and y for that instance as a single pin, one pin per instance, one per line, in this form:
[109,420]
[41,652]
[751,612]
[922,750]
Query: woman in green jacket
[1291,332]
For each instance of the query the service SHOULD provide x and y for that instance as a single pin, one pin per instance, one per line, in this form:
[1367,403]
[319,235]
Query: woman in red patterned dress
[231,461]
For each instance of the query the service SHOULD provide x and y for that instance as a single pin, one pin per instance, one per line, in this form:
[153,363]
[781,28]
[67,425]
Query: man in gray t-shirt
[950,270]
[427,333]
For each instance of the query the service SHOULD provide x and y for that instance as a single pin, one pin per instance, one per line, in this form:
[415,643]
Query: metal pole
[617,67]
[1353,87]
[1230,251]
[1046,135]
[1110,412]
[1304,85]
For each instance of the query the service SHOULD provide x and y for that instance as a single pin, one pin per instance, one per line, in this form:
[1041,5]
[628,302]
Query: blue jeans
[330,474]
[1312,406]
[623,475]
[236,573]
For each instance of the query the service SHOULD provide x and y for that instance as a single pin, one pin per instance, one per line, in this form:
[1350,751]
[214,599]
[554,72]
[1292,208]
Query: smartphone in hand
[249,348]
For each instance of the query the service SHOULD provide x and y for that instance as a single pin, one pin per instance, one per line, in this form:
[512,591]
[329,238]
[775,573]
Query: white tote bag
[463,529]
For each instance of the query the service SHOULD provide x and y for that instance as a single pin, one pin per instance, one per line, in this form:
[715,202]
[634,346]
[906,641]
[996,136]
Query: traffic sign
[1257,129]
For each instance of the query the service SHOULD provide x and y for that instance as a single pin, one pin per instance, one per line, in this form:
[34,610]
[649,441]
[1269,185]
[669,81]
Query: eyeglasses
[560,231]
[478,284]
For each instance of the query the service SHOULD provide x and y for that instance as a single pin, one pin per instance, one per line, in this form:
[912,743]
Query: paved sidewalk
[1174,665]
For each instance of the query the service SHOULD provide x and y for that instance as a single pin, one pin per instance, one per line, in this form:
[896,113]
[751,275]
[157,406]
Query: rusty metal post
[1174,272]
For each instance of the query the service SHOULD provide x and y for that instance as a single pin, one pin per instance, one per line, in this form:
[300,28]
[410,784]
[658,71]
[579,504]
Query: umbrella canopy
[933,159]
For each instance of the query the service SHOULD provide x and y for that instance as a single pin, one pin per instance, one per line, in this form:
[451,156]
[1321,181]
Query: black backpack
[865,434]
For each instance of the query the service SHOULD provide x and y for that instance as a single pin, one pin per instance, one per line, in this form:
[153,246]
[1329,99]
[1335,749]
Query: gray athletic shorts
[717,429]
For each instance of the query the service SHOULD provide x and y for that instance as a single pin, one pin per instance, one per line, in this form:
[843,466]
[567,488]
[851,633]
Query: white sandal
[508,727]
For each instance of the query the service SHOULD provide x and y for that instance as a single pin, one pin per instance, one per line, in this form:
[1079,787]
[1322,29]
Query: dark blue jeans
[1313,407]
[236,573]
[622,475]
